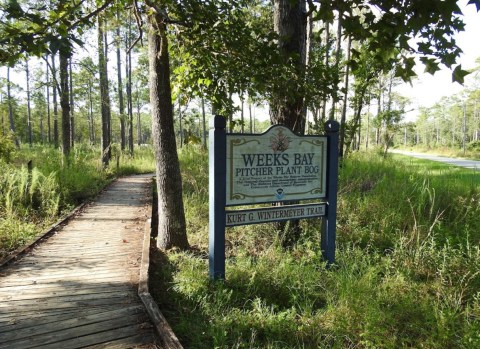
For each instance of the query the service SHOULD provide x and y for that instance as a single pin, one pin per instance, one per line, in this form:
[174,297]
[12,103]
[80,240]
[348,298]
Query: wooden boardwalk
[78,288]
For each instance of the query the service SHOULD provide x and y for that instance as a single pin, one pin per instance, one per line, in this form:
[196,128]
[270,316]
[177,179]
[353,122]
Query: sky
[428,89]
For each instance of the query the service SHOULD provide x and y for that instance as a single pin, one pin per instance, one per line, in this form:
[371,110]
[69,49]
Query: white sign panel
[275,166]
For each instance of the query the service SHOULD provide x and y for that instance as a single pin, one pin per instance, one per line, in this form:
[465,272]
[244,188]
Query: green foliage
[30,201]
[406,274]
[7,147]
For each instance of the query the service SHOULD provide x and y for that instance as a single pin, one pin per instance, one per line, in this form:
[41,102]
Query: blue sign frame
[218,203]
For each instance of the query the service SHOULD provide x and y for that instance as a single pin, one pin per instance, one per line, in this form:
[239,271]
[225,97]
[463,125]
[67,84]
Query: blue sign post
[276,166]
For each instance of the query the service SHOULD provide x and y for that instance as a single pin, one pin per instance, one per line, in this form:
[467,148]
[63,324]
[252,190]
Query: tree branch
[91,14]
[138,20]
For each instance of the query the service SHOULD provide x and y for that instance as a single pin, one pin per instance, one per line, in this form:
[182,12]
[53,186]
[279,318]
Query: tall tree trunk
[10,107]
[242,116]
[287,108]
[65,104]
[171,225]
[29,109]
[290,23]
[139,121]
[104,96]
[338,51]
[343,120]
[72,115]
[49,129]
[204,125]
[128,65]
[121,105]
[327,63]
[250,116]
[180,124]
[55,104]
[91,125]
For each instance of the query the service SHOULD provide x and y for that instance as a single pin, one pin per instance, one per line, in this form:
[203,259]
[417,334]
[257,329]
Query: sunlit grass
[406,276]
[31,200]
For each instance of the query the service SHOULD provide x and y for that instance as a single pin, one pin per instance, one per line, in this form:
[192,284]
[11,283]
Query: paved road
[473,164]
[79,288]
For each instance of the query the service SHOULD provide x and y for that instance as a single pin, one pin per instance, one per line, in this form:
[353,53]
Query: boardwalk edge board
[43,235]
[161,325]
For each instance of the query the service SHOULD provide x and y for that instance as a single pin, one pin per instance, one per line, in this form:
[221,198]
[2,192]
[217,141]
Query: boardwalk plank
[78,288]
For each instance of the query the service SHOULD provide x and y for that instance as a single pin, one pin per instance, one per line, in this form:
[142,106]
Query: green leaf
[459,74]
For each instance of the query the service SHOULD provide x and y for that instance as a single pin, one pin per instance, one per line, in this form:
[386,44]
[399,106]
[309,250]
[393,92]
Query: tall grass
[31,200]
[407,271]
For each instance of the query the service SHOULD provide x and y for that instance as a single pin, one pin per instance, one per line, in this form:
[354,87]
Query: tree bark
[49,130]
[128,65]
[287,106]
[171,225]
[343,119]
[290,23]
[10,107]
[65,105]
[55,104]
[121,105]
[72,116]
[29,109]
[104,96]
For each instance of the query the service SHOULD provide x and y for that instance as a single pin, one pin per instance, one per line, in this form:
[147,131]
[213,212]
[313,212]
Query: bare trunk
[121,105]
[338,50]
[171,225]
[204,124]
[72,116]
[128,65]
[327,59]
[290,23]
[29,109]
[139,121]
[104,97]
[55,104]
[287,106]
[65,105]
[10,107]
[49,130]
[343,120]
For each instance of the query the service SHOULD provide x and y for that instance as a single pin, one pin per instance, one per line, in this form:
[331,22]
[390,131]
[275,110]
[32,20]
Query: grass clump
[407,271]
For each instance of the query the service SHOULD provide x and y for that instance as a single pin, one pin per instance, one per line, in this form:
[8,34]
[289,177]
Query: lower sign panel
[272,214]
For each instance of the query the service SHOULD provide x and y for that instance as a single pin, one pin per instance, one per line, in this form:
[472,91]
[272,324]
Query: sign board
[275,166]
[273,214]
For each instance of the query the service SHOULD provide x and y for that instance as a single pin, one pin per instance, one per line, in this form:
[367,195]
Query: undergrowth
[30,200]
[407,273]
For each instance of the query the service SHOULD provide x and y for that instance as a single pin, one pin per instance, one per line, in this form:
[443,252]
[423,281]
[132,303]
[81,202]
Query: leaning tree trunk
[171,216]
[287,106]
